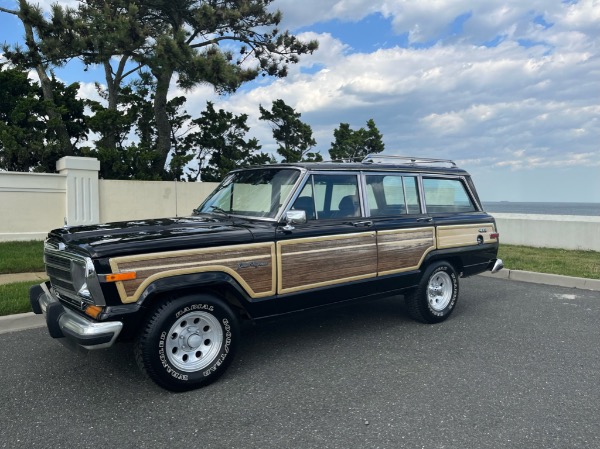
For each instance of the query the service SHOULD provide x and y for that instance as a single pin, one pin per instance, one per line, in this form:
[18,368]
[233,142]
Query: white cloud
[89,91]
[583,15]
[425,100]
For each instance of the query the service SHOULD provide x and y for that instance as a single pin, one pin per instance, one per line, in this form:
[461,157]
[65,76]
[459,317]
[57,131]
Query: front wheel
[435,298]
[187,342]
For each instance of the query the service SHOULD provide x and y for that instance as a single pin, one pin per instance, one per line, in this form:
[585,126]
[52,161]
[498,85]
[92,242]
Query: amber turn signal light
[115,277]
[93,311]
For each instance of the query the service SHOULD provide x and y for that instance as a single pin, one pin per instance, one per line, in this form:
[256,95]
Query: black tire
[187,342]
[435,298]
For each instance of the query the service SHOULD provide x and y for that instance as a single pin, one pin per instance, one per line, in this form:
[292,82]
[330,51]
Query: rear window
[446,196]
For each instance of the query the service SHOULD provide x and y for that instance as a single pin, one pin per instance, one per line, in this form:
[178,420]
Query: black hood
[143,236]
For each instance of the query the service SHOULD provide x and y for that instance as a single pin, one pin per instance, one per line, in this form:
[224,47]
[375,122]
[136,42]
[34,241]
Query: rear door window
[390,195]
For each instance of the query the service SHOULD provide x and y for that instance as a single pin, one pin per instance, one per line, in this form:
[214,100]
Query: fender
[468,260]
[220,282]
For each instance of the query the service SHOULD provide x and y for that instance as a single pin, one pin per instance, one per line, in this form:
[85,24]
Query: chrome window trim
[293,191]
[404,195]
[421,194]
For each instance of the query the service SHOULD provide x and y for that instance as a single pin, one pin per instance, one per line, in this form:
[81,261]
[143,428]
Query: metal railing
[378,158]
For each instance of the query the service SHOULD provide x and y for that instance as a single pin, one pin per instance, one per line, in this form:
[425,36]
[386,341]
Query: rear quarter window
[446,196]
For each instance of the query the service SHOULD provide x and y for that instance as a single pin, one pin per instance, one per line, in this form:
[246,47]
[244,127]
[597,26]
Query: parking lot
[516,365]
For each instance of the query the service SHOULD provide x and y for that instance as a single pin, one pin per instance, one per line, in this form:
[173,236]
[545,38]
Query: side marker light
[115,277]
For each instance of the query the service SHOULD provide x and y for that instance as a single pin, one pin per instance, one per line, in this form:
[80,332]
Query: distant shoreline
[543,208]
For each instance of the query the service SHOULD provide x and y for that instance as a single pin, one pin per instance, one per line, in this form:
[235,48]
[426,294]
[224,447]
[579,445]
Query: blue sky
[508,89]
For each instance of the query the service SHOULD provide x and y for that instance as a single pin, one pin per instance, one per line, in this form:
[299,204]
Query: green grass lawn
[21,257]
[584,264]
[14,298]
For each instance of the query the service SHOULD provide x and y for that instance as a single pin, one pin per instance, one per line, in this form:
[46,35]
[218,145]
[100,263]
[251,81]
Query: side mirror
[293,217]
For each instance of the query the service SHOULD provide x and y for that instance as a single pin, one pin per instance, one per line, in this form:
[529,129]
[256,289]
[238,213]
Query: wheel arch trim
[188,284]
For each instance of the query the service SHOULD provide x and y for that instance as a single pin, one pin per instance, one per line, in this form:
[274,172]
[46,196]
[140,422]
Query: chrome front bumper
[63,322]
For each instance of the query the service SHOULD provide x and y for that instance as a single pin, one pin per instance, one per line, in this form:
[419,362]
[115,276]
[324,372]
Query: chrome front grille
[58,268]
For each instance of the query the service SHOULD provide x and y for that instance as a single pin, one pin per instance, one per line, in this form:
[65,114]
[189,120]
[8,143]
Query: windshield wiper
[218,209]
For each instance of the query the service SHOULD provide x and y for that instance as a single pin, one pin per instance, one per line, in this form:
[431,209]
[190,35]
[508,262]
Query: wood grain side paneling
[252,265]
[464,235]
[403,249]
[320,261]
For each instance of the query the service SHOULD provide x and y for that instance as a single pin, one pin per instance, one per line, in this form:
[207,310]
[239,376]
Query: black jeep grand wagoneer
[269,240]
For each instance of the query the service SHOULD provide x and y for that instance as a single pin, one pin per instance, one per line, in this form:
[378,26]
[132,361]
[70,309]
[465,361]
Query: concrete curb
[546,279]
[20,322]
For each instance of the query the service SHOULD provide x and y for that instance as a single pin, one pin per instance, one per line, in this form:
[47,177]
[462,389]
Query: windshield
[252,193]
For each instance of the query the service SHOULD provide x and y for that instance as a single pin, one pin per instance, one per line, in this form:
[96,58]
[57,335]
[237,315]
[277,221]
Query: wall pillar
[83,204]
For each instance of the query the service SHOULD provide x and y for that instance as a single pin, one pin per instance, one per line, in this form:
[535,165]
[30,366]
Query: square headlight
[81,272]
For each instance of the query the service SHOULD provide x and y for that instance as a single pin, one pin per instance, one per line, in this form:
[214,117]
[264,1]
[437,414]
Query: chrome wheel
[194,341]
[439,291]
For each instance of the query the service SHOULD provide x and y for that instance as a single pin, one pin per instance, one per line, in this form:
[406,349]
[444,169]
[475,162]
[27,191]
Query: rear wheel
[187,342]
[435,298]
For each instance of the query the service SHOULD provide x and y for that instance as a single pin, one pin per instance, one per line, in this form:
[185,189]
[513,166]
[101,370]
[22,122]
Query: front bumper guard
[496,265]
[63,322]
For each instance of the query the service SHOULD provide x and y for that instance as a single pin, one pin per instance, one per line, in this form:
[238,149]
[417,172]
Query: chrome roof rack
[379,158]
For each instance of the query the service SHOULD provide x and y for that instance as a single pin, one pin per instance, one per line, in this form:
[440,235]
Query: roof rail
[377,158]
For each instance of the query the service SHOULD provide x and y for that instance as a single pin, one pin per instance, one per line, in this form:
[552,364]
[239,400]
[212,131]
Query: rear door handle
[358,224]
[427,219]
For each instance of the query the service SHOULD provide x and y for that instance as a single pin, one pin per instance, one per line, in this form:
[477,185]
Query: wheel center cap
[194,341]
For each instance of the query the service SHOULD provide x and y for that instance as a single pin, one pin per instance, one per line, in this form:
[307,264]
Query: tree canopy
[351,145]
[29,137]
[219,145]
[223,43]
[293,136]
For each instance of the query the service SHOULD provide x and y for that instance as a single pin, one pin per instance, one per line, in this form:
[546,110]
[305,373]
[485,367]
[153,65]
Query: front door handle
[426,219]
[358,224]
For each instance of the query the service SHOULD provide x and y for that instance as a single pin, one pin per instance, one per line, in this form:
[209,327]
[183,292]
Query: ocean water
[510,207]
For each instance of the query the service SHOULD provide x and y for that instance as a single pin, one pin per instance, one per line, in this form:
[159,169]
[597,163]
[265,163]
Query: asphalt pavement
[516,366]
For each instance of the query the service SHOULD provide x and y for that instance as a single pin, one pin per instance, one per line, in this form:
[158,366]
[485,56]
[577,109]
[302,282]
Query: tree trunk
[163,127]
[55,117]
[110,139]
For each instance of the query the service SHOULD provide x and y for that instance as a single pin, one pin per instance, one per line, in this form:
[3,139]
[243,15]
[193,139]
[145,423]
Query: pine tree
[293,136]
[351,145]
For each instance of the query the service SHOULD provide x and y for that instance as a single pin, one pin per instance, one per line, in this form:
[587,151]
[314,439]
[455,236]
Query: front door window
[329,197]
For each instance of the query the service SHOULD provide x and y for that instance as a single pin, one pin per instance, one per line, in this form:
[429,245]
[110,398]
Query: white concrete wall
[82,189]
[31,204]
[549,231]
[135,200]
